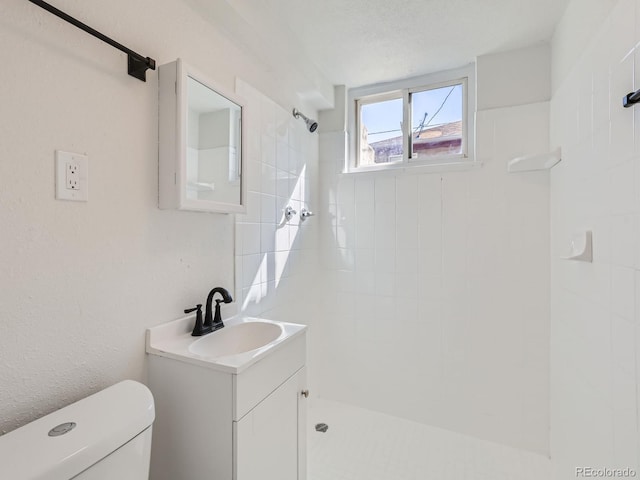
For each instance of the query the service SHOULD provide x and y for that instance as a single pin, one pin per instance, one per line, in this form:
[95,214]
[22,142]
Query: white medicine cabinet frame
[201,143]
[413,129]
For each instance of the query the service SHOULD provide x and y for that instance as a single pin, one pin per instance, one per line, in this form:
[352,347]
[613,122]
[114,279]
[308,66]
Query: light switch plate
[72,176]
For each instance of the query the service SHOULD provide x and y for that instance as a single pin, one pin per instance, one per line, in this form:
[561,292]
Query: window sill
[403,168]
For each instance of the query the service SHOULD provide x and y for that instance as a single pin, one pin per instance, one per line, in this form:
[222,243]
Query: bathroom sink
[242,342]
[235,339]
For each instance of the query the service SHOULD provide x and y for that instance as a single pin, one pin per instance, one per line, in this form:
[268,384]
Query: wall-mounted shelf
[581,247]
[530,163]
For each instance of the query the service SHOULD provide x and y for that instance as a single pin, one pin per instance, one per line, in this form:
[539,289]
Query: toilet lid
[66,442]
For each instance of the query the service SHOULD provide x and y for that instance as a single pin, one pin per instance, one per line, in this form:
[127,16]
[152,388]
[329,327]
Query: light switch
[72,176]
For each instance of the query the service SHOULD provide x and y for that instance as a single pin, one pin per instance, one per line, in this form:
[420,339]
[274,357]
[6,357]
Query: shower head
[312,125]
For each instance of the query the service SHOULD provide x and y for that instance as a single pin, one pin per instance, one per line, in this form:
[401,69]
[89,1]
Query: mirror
[213,145]
[207,166]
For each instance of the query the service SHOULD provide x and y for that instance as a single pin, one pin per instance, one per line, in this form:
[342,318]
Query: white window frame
[403,89]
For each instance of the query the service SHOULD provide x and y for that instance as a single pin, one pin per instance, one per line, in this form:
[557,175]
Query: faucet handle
[304,214]
[197,307]
[198,328]
[289,212]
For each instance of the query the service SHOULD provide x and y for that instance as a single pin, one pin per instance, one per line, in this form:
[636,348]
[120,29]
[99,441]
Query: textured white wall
[81,281]
[595,306]
[440,304]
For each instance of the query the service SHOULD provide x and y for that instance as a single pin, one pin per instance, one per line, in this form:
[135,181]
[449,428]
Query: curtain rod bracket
[138,68]
[137,65]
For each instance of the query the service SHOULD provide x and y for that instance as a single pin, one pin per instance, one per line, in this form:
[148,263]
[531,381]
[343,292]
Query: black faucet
[215,322]
[211,323]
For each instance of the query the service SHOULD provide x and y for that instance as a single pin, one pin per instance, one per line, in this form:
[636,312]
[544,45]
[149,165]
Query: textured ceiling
[360,42]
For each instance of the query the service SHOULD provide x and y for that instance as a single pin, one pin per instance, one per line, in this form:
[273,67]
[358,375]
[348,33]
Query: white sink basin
[235,339]
[241,343]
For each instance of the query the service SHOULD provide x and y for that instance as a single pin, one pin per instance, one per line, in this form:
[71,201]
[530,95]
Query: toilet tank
[104,436]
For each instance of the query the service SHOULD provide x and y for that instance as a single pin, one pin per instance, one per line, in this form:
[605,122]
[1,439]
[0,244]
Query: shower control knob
[304,214]
[289,212]
[305,393]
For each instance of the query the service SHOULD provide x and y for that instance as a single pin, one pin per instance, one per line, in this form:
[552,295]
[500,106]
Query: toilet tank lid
[104,422]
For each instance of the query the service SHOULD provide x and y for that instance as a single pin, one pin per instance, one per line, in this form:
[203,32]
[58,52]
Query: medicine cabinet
[201,137]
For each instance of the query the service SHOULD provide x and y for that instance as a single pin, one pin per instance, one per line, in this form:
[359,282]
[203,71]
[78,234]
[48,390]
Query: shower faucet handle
[304,214]
[289,212]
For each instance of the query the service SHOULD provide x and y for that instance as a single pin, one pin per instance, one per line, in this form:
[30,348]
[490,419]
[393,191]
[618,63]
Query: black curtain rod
[137,64]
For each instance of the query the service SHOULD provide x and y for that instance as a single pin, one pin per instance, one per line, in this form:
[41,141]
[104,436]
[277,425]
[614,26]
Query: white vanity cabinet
[213,424]
[269,441]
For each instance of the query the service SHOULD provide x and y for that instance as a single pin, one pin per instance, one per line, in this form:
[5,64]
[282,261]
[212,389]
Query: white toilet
[106,436]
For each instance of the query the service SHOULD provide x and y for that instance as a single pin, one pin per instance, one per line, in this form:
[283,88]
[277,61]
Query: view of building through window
[436,126]
[381,132]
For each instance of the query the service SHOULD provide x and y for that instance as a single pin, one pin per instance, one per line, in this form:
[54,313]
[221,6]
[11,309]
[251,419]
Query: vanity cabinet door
[270,440]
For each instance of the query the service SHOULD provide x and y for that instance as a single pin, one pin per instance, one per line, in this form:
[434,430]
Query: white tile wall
[276,260]
[439,287]
[594,313]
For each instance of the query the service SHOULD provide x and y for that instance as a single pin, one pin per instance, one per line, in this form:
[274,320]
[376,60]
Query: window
[418,124]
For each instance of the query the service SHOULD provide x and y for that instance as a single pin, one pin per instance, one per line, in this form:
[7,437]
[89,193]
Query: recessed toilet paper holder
[581,247]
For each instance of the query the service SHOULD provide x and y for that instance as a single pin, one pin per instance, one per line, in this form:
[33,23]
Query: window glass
[436,122]
[381,132]
[418,122]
